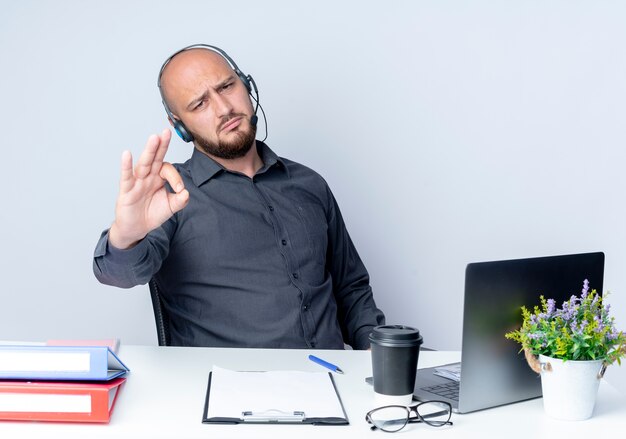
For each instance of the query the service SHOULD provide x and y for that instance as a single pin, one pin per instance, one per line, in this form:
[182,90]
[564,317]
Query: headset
[247,80]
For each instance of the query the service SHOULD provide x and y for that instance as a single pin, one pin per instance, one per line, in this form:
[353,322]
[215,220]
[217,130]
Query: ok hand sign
[144,203]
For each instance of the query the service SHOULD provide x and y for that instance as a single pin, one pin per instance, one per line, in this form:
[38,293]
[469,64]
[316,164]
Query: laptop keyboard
[448,390]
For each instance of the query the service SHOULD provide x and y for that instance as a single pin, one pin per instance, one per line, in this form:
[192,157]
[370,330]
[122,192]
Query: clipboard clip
[272,416]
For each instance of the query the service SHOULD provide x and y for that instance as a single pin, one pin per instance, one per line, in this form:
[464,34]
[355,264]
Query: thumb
[178,200]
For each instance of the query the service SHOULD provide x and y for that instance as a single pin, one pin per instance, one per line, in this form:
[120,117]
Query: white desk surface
[165,392]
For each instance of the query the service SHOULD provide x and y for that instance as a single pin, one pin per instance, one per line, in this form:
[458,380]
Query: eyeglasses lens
[434,413]
[392,418]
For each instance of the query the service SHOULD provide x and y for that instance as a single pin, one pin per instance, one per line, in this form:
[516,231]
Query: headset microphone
[254,119]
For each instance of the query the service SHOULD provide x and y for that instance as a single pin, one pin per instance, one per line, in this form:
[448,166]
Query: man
[248,249]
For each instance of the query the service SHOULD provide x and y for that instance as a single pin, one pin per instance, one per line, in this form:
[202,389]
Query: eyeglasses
[394,418]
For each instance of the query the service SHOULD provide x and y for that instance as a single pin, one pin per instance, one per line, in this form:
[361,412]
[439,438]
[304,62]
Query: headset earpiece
[182,132]
[178,125]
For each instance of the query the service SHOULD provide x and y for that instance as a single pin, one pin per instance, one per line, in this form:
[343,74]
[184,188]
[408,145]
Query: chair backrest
[160,315]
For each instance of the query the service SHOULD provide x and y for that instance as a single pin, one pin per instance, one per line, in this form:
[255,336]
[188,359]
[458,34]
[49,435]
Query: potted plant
[570,347]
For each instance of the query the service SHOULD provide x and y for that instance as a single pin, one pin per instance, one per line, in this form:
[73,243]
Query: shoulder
[301,173]
[183,167]
[307,186]
[188,171]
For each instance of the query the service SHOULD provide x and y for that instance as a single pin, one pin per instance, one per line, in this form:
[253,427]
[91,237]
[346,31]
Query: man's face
[205,93]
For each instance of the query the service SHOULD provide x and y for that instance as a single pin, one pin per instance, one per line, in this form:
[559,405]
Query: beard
[243,138]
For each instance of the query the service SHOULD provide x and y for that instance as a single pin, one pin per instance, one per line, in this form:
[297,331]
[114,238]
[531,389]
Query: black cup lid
[396,335]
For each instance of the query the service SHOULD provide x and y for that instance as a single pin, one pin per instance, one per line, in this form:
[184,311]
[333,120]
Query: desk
[165,391]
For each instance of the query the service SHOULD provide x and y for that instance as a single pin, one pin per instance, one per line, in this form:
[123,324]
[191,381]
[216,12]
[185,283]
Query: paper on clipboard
[272,396]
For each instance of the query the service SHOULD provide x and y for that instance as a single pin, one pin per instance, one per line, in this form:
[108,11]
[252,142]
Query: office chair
[160,315]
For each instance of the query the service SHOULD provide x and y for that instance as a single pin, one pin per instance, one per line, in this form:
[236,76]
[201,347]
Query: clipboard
[272,397]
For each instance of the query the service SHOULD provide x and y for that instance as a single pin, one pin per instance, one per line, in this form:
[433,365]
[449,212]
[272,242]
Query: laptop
[492,371]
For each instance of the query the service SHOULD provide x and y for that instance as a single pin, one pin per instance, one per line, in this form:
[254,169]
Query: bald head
[187,70]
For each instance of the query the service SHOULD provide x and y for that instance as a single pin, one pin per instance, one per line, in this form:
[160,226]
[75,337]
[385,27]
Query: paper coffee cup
[395,352]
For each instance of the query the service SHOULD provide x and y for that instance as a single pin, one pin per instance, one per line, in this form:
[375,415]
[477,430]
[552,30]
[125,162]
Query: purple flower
[600,326]
[542,316]
[578,329]
[612,335]
[567,312]
[585,289]
[551,307]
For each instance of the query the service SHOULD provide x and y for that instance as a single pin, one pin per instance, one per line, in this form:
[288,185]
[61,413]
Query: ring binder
[272,415]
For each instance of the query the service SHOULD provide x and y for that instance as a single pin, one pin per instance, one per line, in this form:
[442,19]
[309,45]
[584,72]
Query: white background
[450,131]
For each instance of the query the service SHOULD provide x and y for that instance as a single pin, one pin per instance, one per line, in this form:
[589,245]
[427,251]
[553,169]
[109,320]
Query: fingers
[150,160]
[171,175]
[144,164]
[178,201]
[126,175]
[164,138]
[180,198]
[153,154]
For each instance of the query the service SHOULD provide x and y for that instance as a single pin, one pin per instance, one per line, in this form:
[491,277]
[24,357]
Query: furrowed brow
[205,95]
[194,102]
[220,85]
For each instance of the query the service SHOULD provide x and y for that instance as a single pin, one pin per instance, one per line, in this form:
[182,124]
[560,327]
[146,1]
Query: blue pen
[325,364]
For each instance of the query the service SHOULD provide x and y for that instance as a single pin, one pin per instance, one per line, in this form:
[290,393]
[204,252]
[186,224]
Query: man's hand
[143,203]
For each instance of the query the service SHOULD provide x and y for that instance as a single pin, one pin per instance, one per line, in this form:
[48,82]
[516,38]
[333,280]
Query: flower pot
[570,387]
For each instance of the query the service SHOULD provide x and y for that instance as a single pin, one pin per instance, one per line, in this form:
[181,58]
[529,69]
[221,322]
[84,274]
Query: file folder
[58,401]
[111,343]
[274,397]
[75,363]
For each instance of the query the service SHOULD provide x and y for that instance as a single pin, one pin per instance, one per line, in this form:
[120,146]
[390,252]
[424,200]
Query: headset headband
[215,49]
